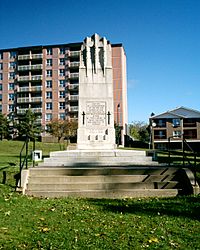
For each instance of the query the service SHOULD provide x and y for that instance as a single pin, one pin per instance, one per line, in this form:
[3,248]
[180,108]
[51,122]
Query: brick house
[174,124]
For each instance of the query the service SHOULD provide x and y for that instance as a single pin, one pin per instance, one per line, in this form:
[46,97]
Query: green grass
[33,223]
[10,151]
[69,223]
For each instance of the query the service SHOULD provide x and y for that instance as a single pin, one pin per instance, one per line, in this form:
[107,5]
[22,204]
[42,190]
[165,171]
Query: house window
[49,51]
[1,76]
[160,134]
[49,106]
[11,86]
[49,73]
[62,83]
[49,62]
[176,122]
[62,94]
[11,75]
[12,65]
[0,97]
[0,108]
[13,54]
[177,134]
[11,97]
[62,72]
[62,51]
[62,61]
[62,116]
[48,117]
[161,123]
[1,87]
[49,95]
[1,66]
[49,84]
[11,108]
[1,55]
[62,105]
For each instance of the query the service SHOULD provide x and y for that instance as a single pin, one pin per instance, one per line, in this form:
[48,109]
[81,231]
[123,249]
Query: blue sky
[161,39]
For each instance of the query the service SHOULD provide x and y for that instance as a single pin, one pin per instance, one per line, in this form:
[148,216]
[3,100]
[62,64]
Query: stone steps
[102,182]
[107,194]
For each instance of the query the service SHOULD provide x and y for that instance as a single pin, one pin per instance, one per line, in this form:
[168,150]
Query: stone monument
[96,115]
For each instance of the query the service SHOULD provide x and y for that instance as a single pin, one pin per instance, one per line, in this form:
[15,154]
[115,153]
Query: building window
[160,134]
[62,94]
[48,84]
[62,116]
[0,97]
[1,55]
[49,106]
[1,66]
[11,97]
[49,95]
[1,76]
[11,75]
[176,122]
[11,86]
[11,108]
[62,72]
[48,117]
[49,51]
[49,62]
[12,65]
[62,51]
[0,108]
[49,73]
[177,134]
[62,105]
[13,54]
[161,123]
[1,87]
[62,61]
[62,83]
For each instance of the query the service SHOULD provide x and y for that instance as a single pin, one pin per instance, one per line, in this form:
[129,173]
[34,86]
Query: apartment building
[173,125]
[46,79]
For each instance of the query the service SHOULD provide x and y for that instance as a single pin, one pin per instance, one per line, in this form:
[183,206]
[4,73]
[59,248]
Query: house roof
[179,112]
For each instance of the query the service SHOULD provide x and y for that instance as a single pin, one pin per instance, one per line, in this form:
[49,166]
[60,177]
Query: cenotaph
[96,117]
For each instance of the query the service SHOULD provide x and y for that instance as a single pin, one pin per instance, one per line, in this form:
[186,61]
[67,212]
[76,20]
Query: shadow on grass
[186,206]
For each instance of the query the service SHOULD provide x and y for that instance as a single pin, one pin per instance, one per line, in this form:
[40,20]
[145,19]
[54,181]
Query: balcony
[73,97]
[30,67]
[74,53]
[74,75]
[36,77]
[23,78]
[30,89]
[73,86]
[29,99]
[30,56]
[36,56]
[24,57]
[73,109]
[23,111]
[74,64]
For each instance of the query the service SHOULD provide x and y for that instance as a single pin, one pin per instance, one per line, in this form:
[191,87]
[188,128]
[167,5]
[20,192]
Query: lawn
[33,223]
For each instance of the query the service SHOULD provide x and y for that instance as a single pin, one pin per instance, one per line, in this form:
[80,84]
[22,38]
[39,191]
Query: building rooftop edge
[52,46]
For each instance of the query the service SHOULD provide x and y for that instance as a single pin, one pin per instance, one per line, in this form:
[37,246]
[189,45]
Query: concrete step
[37,179]
[82,187]
[83,171]
[109,194]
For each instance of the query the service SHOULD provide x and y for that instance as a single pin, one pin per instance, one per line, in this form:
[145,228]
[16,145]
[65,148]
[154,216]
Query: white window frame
[49,73]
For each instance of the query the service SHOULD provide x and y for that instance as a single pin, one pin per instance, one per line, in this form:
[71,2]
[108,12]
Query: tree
[27,125]
[62,129]
[4,126]
[139,131]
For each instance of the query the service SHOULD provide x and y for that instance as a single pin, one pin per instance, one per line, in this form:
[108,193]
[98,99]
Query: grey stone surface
[96,114]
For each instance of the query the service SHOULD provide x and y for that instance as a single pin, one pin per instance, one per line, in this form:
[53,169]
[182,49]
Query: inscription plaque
[96,113]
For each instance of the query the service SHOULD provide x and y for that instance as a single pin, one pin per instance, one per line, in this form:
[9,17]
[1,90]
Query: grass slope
[33,223]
